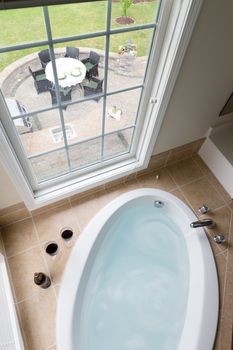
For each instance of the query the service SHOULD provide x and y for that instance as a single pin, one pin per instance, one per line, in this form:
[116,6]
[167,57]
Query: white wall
[204,83]
[205,80]
[8,192]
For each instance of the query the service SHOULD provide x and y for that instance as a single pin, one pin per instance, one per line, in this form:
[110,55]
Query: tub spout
[201,223]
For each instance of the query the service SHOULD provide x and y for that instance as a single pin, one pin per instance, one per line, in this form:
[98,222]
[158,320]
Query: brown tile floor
[24,241]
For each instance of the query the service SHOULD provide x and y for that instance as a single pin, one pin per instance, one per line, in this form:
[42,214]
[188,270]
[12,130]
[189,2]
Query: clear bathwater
[136,291]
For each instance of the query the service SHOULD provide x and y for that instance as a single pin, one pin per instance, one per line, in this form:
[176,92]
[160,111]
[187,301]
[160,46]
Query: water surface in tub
[136,293]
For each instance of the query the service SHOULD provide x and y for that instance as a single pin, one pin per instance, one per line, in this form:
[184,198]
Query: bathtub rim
[202,274]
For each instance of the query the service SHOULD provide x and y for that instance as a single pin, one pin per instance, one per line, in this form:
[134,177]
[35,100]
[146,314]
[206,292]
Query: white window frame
[170,43]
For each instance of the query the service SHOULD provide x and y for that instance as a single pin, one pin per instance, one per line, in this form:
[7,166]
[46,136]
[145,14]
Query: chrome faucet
[204,222]
[219,239]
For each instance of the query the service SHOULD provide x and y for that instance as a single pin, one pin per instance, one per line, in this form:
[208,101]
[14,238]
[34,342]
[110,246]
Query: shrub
[125,5]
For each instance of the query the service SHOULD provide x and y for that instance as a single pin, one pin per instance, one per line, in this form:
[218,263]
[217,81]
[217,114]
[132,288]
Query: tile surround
[189,179]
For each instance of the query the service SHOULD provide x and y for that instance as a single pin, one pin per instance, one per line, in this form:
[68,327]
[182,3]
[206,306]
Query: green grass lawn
[27,25]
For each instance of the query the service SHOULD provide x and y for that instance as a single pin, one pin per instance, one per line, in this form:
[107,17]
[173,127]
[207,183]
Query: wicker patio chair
[65,94]
[93,87]
[91,64]
[72,52]
[44,57]
[40,82]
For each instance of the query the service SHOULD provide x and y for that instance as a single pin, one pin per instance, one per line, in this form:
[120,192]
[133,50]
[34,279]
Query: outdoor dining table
[70,71]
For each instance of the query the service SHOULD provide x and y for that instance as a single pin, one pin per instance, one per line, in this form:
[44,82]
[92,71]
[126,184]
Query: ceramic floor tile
[220,189]
[184,171]
[38,310]
[19,237]
[14,216]
[230,249]
[57,289]
[50,223]
[22,268]
[85,208]
[228,297]
[38,319]
[132,184]
[179,195]
[62,202]
[56,264]
[115,191]
[159,179]
[175,157]
[158,161]
[201,164]
[201,192]
[226,341]
[221,263]
[2,250]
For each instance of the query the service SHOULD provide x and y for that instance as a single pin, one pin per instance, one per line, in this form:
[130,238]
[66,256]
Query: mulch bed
[124,20]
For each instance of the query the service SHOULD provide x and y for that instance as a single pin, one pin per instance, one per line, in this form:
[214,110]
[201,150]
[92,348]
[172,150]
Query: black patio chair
[65,94]
[93,87]
[44,57]
[40,82]
[72,52]
[91,64]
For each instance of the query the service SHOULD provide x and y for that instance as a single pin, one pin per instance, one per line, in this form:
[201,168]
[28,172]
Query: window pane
[15,26]
[50,165]
[138,13]
[85,118]
[76,19]
[117,143]
[81,63]
[128,58]
[24,79]
[121,110]
[40,133]
[85,153]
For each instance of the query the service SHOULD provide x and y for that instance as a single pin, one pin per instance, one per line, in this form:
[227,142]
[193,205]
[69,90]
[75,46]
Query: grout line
[219,192]
[222,252]
[230,233]
[198,166]
[50,347]
[9,272]
[43,257]
[75,219]
[28,297]
[24,251]
[226,275]
[21,327]
[2,245]
[168,155]
[191,181]
[17,221]
[51,208]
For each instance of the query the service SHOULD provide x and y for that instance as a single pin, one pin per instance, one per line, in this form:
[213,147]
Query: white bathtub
[217,153]
[198,300]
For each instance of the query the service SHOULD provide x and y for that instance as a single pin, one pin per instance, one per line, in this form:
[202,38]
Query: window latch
[153,100]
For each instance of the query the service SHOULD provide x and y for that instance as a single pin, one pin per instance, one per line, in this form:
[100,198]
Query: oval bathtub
[139,278]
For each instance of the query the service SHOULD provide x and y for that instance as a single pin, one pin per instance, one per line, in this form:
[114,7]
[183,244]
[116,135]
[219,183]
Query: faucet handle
[203,209]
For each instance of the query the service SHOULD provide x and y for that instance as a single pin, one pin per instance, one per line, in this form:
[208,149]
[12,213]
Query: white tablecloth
[70,71]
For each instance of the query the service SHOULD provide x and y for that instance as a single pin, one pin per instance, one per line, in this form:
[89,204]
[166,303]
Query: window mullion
[107,44]
[57,89]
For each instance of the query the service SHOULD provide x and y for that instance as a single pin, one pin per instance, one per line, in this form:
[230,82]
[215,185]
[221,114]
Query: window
[75,91]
